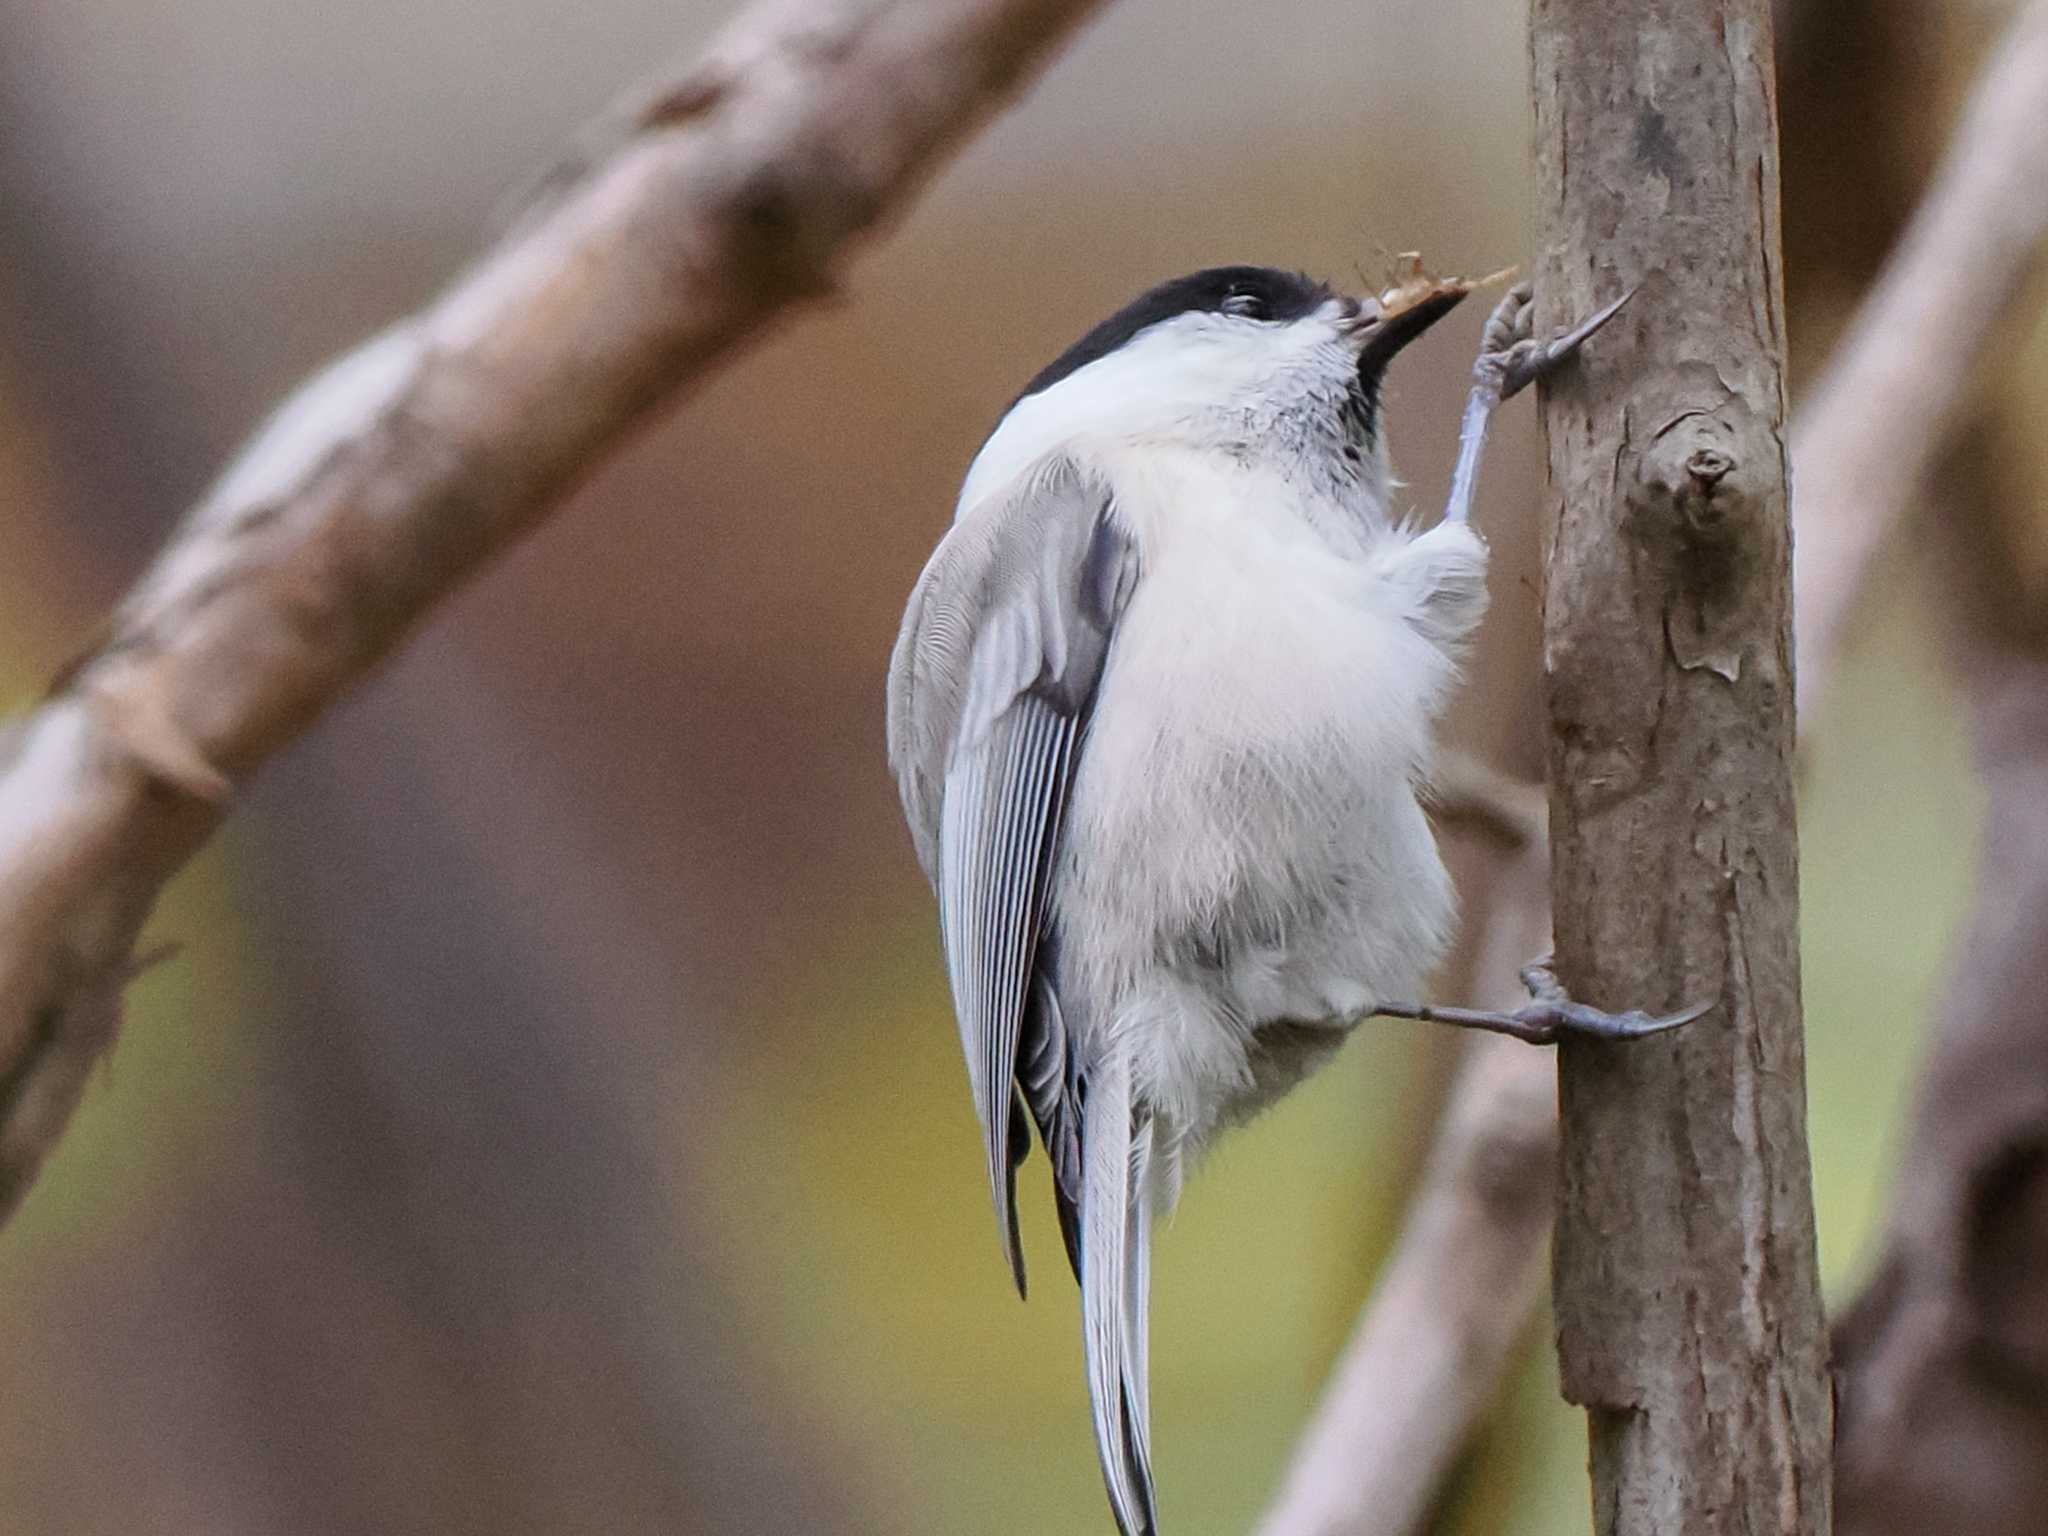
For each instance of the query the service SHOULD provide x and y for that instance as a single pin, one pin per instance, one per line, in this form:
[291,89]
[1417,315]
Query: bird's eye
[1242,302]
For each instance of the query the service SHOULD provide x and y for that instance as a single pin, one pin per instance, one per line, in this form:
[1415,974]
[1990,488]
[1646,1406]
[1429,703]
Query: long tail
[1116,1246]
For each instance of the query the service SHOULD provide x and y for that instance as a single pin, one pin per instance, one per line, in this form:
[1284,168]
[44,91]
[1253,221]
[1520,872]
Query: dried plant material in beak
[1410,303]
[1411,285]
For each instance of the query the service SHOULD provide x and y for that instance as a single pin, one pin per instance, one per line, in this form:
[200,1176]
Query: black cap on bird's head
[1245,361]
[1256,293]
[1381,324]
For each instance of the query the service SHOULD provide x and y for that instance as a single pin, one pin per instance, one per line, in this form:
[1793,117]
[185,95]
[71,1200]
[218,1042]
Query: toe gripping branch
[1550,1015]
[1510,360]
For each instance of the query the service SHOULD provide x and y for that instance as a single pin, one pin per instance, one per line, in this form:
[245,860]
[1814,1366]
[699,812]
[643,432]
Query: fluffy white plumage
[1243,843]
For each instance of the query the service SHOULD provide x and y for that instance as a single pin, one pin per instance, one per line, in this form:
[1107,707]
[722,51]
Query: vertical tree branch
[1897,1469]
[1689,1319]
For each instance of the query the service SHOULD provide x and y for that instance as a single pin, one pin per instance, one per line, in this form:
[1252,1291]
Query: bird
[1162,714]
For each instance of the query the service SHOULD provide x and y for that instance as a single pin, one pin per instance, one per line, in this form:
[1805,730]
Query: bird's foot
[1555,1008]
[1550,1016]
[1510,360]
[1510,356]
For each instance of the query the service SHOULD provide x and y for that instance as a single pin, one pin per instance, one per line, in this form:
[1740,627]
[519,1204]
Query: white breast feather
[1244,844]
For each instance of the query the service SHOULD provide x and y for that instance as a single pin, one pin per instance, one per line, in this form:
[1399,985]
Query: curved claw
[1578,1019]
[1554,1011]
[1687,1015]
[1525,360]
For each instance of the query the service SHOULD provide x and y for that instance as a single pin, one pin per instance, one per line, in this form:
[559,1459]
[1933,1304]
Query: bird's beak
[1387,322]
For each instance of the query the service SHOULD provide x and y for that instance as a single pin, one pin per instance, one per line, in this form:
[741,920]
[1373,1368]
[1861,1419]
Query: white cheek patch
[1168,382]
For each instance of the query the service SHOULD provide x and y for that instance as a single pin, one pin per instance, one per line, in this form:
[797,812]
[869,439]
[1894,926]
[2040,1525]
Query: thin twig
[722,197]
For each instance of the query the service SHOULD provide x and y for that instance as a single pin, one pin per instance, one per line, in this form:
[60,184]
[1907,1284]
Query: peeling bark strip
[704,209]
[1689,1320]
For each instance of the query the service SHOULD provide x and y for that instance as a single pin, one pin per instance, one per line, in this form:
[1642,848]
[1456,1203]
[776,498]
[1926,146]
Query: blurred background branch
[732,192]
[1432,1347]
[1888,401]
[1943,1357]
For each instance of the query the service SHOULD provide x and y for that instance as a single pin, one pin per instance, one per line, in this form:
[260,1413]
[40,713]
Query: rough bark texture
[1689,1319]
[703,209]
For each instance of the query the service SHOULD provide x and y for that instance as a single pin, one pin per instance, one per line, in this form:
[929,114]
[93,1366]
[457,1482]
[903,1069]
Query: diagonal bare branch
[1881,412]
[703,210]
[1427,1357]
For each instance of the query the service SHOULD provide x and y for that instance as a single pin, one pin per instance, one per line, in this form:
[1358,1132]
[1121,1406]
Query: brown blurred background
[553,1121]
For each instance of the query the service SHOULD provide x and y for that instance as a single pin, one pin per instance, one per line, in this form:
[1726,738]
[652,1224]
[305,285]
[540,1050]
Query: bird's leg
[1551,1015]
[1510,360]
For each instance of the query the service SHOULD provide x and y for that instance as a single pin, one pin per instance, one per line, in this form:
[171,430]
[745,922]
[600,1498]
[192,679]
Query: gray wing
[989,693]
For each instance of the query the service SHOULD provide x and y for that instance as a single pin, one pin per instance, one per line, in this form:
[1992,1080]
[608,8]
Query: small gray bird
[1162,714]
